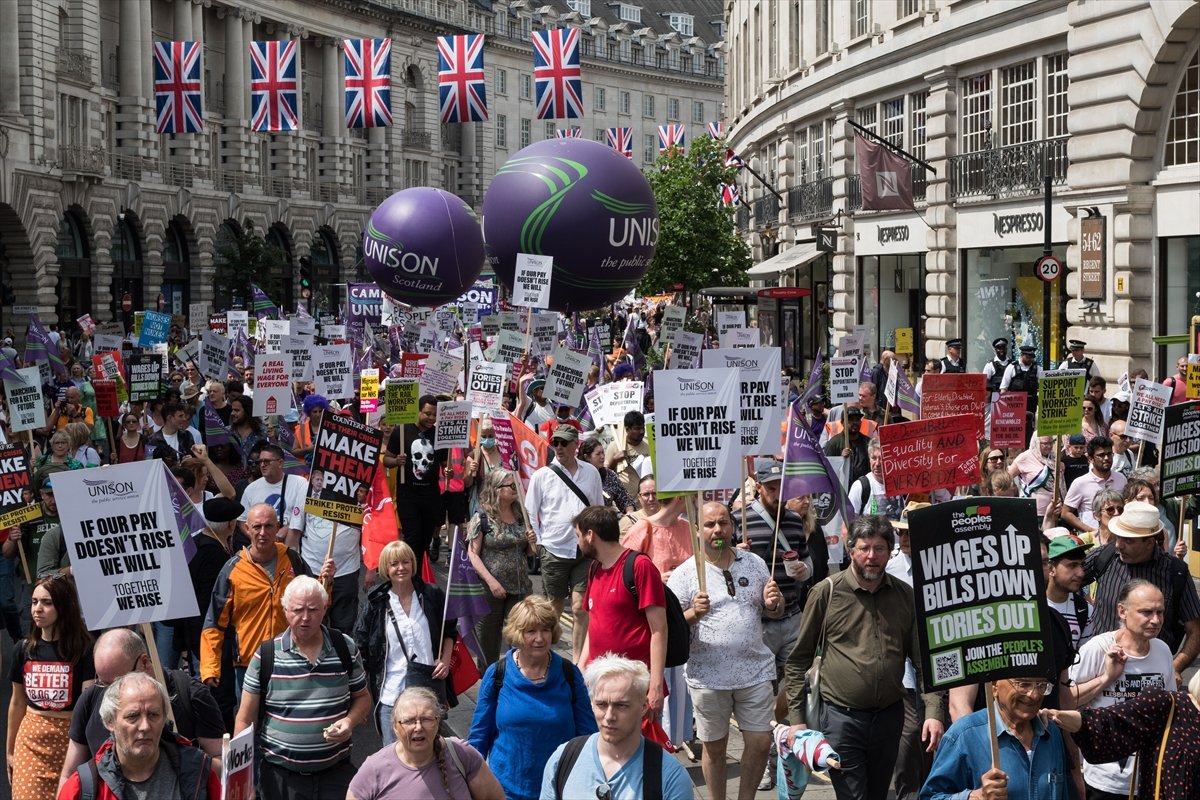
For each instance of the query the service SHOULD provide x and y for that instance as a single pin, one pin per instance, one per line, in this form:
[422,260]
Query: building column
[841,152]
[10,62]
[198,20]
[235,67]
[332,131]
[147,47]
[183,20]
[130,65]
[941,262]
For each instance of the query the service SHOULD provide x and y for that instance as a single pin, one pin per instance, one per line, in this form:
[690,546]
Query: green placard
[1060,402]
[654,461]
[400,401]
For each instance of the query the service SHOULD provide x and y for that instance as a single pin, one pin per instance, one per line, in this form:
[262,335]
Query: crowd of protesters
[305,641]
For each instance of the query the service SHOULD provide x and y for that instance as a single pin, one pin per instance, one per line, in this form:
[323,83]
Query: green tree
[248,258]
[698,244]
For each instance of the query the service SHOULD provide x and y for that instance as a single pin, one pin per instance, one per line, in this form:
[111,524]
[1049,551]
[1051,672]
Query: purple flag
[187,516]
[885,179]
[40,347]
[264,307]
[813,387]
[466,596]
[8,370]
[900,393]
[806,470]
[241,347]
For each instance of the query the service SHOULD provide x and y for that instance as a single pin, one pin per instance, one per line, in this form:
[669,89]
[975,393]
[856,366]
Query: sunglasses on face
[558,443]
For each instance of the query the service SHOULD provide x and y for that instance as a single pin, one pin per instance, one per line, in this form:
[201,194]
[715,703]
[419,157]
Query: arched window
[126,254]
[176,271]
[226,289]
[1183,126]
[74,270]
[325,272]
[283,274]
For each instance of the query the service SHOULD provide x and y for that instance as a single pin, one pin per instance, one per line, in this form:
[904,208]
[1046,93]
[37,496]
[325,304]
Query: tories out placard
[127,553]
[980,592]
[761,412]
[929,454]
[485,388]
[1179,467]
[345,455]
[696,417]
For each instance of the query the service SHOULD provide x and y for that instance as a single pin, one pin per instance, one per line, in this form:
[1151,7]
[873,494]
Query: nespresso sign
[1004,224]
[888,234]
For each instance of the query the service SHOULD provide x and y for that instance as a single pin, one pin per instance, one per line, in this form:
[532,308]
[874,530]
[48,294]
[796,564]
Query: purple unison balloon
[423,246]
[581,202]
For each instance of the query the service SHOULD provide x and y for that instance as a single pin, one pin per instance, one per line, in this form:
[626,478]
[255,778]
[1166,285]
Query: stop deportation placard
[980,592]
[696,416]
[843,379]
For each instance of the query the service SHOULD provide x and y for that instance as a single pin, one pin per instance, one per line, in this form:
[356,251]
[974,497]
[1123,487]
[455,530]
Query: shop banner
[728,320]
[145,376]
[155,328]
[950,394]
[485,389]
[843,379]
[453,425]
[980,592]
[272,385]
[568,374]
[441,374]
[672,323]
[696,414]
[299,348]
[214,354]
[127,553]
[400,401]
[237,766]
[1179,467]
[16,492]
[1150,401]
[1008,420]
[26,410]
[107,404]
[333,371]
[1060,402]
[761,413]
[368,391]
[734,338]
[345,455]
[929,454]
[531,281]
[685,351]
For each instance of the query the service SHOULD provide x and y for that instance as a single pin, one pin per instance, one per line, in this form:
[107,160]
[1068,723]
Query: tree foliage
[698,245]
[247,258]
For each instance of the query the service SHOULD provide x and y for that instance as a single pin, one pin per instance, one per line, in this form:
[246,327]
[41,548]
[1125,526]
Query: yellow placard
[904,341]
[369,384]
[401,398]
[1193,379]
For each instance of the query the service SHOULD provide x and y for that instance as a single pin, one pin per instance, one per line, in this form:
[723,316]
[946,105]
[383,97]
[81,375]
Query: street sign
[1048,268]
[127,303]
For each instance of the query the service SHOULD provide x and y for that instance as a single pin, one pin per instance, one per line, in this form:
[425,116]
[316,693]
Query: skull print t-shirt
[423,468]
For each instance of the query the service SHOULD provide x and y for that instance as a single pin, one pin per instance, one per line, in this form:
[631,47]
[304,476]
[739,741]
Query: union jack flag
[368,83]
[558,85]
[733,160]
[177,103]
[671,135]
[730,194]
[462,85]
[716,130]
[274,89]
[568,133]
[621,140]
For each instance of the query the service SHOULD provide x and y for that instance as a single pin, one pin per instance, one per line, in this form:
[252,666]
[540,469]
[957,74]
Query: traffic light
[305,276]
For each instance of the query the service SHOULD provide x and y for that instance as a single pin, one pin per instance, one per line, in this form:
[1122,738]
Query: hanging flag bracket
[897,150]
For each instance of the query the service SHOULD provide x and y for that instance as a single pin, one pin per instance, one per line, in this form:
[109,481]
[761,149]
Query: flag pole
[897,150]
[693,509]
[742,489]
[779,508]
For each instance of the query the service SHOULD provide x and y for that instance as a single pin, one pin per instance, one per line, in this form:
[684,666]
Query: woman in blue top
[530,702]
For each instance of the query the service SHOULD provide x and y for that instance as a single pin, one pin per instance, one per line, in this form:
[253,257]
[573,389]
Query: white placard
[850,345]
[510,347]
[696,415]
[333,332]
[126,552]
[728,320]
[237,766]
[762,406]
[333,371]
[441,374]
[614,400]
[531,281]
[303,326]
[544,333]
[236,320]
[214,354]
[272,384]
[739,337]
[26,410]
[273,330]
[298,348]
[453,424]
[197,316]
[685,350]
[672,323]
[189,352]
[106,342]
[568,374]
[843,379]
[485,388]
[1146,412]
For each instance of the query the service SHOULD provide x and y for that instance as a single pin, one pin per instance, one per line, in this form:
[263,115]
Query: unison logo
[385,250]
[740,363]
[688,385]
[108,488]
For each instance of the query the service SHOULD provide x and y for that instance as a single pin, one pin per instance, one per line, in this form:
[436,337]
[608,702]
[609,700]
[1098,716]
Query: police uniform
[951,365]
[1019,378]
[1086,364]
[994,369]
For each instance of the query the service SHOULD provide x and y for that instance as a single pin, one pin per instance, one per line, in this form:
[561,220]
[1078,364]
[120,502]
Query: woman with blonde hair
[421,765]
[80,437]
[395,634]
[530,701]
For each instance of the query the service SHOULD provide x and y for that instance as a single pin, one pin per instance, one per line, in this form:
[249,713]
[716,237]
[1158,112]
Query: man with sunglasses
[285,493]
[730,669]
[1077,505]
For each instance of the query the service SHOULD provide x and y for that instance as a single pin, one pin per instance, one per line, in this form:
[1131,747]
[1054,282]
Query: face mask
[488,443]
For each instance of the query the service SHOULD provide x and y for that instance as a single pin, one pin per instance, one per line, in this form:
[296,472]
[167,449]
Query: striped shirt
[1158,571]
[302,700]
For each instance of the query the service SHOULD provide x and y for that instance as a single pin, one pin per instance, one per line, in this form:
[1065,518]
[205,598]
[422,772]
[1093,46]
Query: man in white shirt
[285,493]
[556,495]
[1065,579]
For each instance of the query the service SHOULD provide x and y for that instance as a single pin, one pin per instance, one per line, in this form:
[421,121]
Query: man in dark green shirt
[867,619]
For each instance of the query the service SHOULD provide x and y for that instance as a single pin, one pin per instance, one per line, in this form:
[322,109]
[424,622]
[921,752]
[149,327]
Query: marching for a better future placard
[696,416]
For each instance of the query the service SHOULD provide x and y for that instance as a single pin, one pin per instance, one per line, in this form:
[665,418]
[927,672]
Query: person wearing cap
[1118,665]
[557,493]
[1136,552]
[952,361]
[314,407]
[9,351]
[1077,505]
[850,441]
[534,407]
[1077,360]
[1023,375]
[993,371]
[1074,461]
[626,461]
[1064,581]
[818,406]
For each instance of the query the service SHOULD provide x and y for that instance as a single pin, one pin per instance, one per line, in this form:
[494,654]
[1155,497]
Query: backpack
[568,675]
[651,767]
[266,665]
[679,633]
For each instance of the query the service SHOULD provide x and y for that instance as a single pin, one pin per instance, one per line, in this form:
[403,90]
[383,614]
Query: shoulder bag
[813,704]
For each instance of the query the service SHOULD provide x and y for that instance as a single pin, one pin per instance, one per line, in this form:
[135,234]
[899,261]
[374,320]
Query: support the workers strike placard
[126,552]
[345,456]
[929,454]
[696,417]
[1060,402]
[1179,467]
[980,591]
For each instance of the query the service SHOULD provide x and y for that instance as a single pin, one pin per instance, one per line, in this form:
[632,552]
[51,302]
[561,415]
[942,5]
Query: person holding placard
[282,492]
[625,461]
[1077,505]
[419,502]
[535,409]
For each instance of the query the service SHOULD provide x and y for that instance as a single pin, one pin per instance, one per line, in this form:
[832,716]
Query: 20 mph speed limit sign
[1048,268]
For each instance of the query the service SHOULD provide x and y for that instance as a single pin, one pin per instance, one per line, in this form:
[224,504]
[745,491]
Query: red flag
[463,671]
[885,178]
[380,525]
[427,572]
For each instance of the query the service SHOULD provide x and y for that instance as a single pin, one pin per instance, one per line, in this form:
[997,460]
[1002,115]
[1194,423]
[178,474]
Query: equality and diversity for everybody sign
[531,281]
[453,424]
[1008,419]
[485,388]
[26,410]
[843,379]
[345,455]
[1179,464]
[299,348]
[333,371]
[567,376]
[440,375]
[145,376]
[761,412]
[127,555]
[400,401]
[696,415]
[950,394]
[980,592]
[672,322]
[929,454]
[685,350]
[272,385]
[1150,401]
[14,485]
[1060,402]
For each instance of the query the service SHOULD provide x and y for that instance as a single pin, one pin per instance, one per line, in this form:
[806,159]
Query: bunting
[558,82]
[670,136]
[178,107]
[462,82]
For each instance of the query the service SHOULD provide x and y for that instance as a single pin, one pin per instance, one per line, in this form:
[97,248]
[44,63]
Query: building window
[647,105]
[638,54]
[673,108]
[697,111]
[816,150]
[629,13]
[862,18]
[893,121]
[526,86]
[686,62]
[718,27]
[1183,127]
[868,116]
[526,27]
[501,81]
[601,136]
[976,113]
[1056,96]
[684,23]
[598,98]
[501,130]
[1018,103]
[550,127]
[802,153]
[917,101]
[626,50]
[822,26]
[584,7]
[906,8]
[772,40]
[649,148]
[794,36]
[526,133]
[624,102]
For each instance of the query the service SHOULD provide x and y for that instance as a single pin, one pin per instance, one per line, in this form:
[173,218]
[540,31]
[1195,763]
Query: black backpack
[679,633]
[568,670]
[651,768]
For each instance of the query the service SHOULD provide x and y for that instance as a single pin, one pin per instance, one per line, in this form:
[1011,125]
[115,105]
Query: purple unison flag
[241,347]
[262,305]
[8,370]
[813,387]
[40,347]
[806,470]
[187,516]
[292,464]
[466,596]
[214,430]
[905,395]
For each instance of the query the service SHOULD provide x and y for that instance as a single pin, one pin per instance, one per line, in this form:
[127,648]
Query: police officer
[1079,361]
[994,370]
[952,362]
[1022,376]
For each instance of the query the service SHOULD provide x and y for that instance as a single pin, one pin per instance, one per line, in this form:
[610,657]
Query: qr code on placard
[947,667]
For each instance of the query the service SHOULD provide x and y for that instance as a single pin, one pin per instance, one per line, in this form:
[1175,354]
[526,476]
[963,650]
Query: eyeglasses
[879,550]
[1032,687]
[269,460]
[512,486]
[412,722]
[1112,511]
[729,586]
[995,458]
[254,462]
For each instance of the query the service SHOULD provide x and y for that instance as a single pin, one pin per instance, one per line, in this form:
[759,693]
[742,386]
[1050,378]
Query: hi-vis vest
[866,428]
